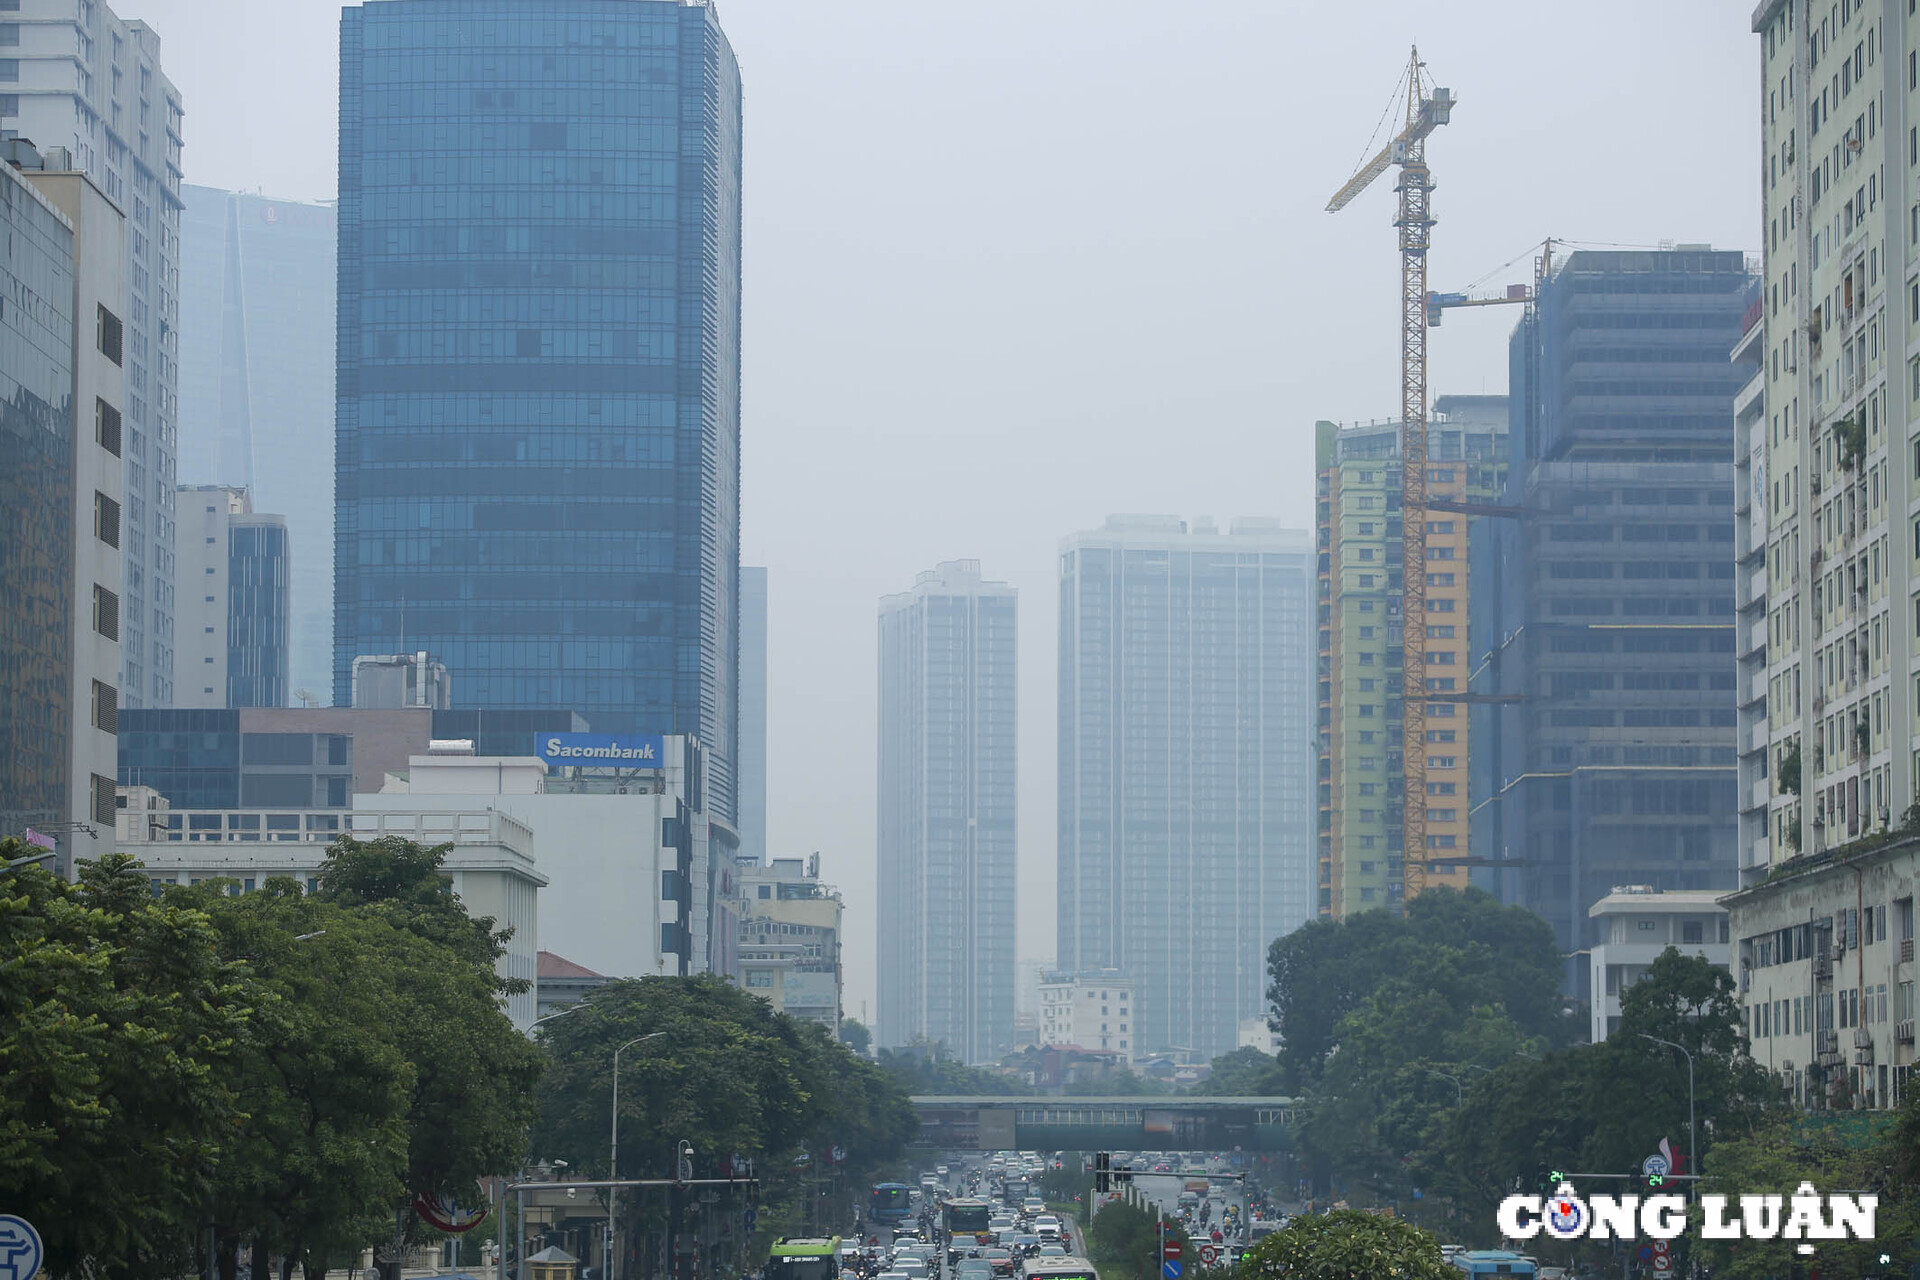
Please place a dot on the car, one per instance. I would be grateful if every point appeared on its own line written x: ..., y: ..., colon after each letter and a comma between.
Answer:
x: 973, y: 1269
x: 1051, y: 1251
x: 1002, y: 1261
x: 1047, y: 1227
x: 910, y: 1265
x: 1034, y: 1204
x: 893, y: 1275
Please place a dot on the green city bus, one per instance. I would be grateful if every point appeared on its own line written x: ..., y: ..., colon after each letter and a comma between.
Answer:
x: 816, y: 1258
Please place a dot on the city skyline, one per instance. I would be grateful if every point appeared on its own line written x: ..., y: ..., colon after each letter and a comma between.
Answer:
x: 1081, y: 394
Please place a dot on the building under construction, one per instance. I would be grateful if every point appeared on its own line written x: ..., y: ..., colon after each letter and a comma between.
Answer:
x: 1602, y: 613
x: 1360, y: 593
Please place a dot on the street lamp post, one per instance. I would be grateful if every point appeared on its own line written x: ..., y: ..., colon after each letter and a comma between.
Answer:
x: 1460, y: 1092
x: 613, y: 1153
x: 500, y: 1196
x: 1692, y: 1168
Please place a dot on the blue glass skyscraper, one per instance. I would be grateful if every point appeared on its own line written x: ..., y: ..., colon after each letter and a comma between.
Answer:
x: 538, y: 401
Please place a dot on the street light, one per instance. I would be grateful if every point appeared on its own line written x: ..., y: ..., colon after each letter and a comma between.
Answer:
x: 1692, y: 1168
x: 32, y: 858
x: 572, y: 1008
x: 1460, y: 1092
x: 613, y: 1152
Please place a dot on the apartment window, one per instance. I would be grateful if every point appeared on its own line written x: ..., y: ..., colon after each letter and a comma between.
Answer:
x: 106, y: 519
x: 106, y: 707
x: 1690, y: 931
x: 107, y: 328
x: 106, y: 427
x: 759, y: 978
x: 105, y: 803
x: 10, y: 69
x: 106, y: 612
x: 9, y: 34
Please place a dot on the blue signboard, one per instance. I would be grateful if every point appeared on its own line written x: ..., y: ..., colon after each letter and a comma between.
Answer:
x: 1171, y: 1269
x: 603, y: 751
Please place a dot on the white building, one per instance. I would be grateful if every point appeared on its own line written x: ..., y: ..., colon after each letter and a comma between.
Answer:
x: 491, y: 862
x: 1089, y: 1010
x: 1821, y: 926
x: 1637, y: 923
x: 85, y: 80
x: 1255, y: 1033
x: 639, y: 876
x: 1826, y: 972
x: 235, y: 616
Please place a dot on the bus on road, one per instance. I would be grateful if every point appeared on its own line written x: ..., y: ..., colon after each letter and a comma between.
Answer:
x: 890, y: 1203
x: 968, y: 1217
x: 1059, y: 1269
x: 816, y: 1258
x: 1493, y: 1262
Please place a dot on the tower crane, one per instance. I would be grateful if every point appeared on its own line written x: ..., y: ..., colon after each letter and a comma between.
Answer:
x: 1425, y: 112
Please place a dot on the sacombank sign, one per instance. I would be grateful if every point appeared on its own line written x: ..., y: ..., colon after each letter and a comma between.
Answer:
x: 1805, y: 1215
x: 604, y: 751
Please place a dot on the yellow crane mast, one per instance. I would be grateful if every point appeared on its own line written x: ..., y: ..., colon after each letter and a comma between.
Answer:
x: 1425, y: 112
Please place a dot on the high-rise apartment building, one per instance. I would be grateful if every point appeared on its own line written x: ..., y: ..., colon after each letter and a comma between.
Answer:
x: 539, y: 358
x: 256, y: 391
x: 1186, y: 743
x: 234, y: 620
x: 63, y: 271
x: 1823, y: 930
x: 1755, y: 785
x: 753, y: 715
x: 1360, y: 649
x: 1602, y: 616
x: 85, y: 80
x: 947, y: 780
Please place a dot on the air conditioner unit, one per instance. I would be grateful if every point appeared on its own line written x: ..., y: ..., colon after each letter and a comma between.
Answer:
x: 1862, y: 1038
x: 1903, y: 1032
x: 619, y: 791
x: 1839, y: 950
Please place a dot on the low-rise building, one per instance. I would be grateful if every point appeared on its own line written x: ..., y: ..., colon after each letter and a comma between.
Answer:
x: 1636, y: 923
x: 640, y: 872
x: 491, y: 862
x: 790, y: 935
x: 562, y: 983
x: 1093, y: 1010
x: 1824, y: 950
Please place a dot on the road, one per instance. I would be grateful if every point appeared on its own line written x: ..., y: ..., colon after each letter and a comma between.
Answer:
x: 1163, y: 1189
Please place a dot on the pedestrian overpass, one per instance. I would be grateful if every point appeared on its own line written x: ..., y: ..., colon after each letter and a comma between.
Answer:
x: 1104, y: 1124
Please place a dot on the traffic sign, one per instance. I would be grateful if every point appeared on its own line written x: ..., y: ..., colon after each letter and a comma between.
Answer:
x: 1170, y: 1249
x: 21, y: 1251
x: 1662, y: 1263
x: 1171, y: 1269
x: 1208, y: 1254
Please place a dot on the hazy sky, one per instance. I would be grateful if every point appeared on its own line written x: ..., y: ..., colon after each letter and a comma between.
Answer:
x: 1012, y: 267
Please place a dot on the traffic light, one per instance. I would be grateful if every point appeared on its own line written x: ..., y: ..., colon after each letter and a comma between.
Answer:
x: 1102, y: 1175
x: 1548, y: 1181
x: 1654, y: 1179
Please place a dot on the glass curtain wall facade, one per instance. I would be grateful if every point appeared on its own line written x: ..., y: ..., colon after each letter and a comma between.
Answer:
x: 1185, y: 739
x: 258, y: 638
x: 753, y: 715
x: 947, y: 783
x: 1604, y: 613
x: 538, y: 352
x: 37, y: 504
x: 256, y: 386
x: 92, y: 82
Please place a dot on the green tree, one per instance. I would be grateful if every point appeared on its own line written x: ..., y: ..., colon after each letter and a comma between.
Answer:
x: 473, y: 1088
x: 1857, y: 1151
x: 1320, y: 973
x: 1244, y: 1073
x: 854, y: 1035
x: 118, y: 1025
x: 319, y: 1166
x: 1345, y: 1245
x: 1125, y: 1241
